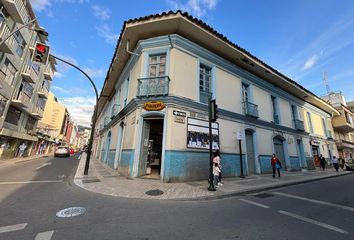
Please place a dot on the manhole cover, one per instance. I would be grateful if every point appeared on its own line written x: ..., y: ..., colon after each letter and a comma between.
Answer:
x: 263, y: 195
x: 154, y: 192
x: 90, y: 180
x: 71, y: 212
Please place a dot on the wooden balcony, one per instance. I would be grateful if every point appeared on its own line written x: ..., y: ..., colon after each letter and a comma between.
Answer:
x: 22, y: 101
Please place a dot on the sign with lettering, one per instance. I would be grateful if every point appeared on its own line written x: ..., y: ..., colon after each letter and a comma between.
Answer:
x: 179, y: 119
x: 179, y: 113
x: 154, y: 106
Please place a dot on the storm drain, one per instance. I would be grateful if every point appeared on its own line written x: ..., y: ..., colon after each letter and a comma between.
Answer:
x: 263, y: 195
x: 71, y: 212
x: 154, y: 192
x: 91, y: 180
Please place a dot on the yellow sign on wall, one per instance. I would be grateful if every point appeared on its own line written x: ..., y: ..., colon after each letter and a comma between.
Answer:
x: 154, y: 106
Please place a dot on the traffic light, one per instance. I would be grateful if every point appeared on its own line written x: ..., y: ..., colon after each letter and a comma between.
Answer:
x: 214, y: 110
x: 41, y: 53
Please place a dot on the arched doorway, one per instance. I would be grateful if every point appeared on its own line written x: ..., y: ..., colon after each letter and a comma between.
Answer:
x: 251, y: 158
x: 278, y: 143
x: 108, y: 144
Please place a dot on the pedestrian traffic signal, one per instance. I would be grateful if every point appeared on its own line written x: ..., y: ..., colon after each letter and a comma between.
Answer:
x: 214, y: 110
x: 41, y: 53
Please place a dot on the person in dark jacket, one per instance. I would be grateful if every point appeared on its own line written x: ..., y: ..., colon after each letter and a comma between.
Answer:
x: 322, y: 162
x: 276, y: 165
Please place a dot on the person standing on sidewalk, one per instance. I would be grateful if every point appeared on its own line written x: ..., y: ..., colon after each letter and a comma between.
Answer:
x: 335, y: 163
x: 216, y: 173
x: 21, y: 149
x: 322, y: 162
x: 276, y: 165
x: 341, y: 162
x: 217, y: 160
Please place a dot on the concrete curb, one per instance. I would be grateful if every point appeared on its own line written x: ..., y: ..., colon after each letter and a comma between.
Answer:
x: 77, y: 181
x: 261, y: 189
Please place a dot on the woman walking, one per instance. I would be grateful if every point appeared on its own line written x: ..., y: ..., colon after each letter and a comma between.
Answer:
x: 276, y: 165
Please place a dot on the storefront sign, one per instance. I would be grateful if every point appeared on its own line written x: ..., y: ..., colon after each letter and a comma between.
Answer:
x: 179, y: 119
x: 198, y: 115
x: 240, y: 136
x: 154, y: 106
x: 315, y: 142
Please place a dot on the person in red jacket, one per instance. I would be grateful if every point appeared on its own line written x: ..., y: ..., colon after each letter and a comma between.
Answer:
x: 276, y: 165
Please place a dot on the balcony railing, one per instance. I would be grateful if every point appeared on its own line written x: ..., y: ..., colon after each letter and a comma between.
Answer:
x: 299, y: 125
x: 154, y: 86
x: 37, y: 113
x: 115, y: 110
x: 22, y: 101
x: 43, y: 92
x: 204, y: 96
x: 250, y: 109
x: 48, y: 72
x: 9, y: 45
x: 29, y: 74
x: 17, y: 9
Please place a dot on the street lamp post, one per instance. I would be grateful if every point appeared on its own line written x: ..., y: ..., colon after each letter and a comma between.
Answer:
x: 89, y: 148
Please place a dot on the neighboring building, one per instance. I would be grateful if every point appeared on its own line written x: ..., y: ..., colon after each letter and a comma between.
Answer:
x: 153, y: 106
x: 343, y: 124
x: 24, y: 84
x: 73, y: 137
x: 350, y: 105
x: 83, y: 136
x: 55, y: 117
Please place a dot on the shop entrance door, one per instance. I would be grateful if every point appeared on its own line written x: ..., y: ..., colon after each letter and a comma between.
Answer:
x: 250, y: 152
x: 279, y: 150
x: 315, y: 154
x: 151, y: 148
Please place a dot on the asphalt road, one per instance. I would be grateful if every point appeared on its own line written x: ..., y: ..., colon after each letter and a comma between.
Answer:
x: 32, y: 192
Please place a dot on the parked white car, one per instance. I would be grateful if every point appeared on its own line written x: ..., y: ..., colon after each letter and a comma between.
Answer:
x: 62, y: 152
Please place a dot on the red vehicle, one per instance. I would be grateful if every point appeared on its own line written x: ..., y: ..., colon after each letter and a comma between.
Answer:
x: 71, y: 151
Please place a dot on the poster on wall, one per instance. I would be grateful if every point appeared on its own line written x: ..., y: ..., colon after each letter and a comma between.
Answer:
x: 198, y: 134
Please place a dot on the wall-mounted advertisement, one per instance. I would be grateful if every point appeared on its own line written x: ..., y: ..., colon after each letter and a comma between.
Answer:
x: 198, y: 134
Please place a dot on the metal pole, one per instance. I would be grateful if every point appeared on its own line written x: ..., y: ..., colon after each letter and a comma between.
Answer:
x: 211, y: 177
x: 89, y: 148
x: 17, y: 29
x: 241, y: 162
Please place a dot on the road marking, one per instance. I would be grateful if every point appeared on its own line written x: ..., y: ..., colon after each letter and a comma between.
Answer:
x: 315, y: 201
x: 44, y: 235
x: 43, y: 165
x: 11, y: 228
x: 48, y: 181
x: 309, y: 220
x: 253, y: 203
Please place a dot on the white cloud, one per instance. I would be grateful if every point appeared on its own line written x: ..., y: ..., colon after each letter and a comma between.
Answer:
x: 105, y: 32
x: 310, y: 62
x: 63, y: 67
x: 101, y: 13
x: 198, y: 8
x: 80, y: 108
x: 40, y: 5
x: 95, y: 72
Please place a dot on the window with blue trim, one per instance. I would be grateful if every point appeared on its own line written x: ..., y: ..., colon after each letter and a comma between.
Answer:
x: 309, y: 122
x: 204, y: 83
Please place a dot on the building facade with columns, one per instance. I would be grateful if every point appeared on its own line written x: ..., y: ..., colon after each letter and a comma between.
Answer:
x: 153, y: 108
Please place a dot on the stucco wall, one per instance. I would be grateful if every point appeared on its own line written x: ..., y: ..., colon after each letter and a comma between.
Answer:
x: 183, y: 74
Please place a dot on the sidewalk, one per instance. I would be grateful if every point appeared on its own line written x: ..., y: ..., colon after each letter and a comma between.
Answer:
x: 5, y: 162
x: 101, y: 179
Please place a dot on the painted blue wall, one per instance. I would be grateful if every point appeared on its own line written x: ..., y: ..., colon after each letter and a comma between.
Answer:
x: 188, y: 165
x: 126, y: 162
x: 295, y: 163
x: 110, y: 158
x: 264, y: 162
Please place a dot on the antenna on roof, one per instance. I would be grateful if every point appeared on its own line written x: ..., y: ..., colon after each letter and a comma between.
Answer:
x: 326, y: 82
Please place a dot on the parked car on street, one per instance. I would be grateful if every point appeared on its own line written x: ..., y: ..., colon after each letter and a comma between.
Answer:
x: 62, y: 151
x: 349, y: 165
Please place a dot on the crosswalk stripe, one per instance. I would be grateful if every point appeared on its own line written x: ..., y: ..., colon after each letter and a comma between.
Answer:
x: 25, y: 182
x: 12, y: 228
x: 315, y: 201
x: 309, y: 220
x: 254, y: 203
x: 44, y: 235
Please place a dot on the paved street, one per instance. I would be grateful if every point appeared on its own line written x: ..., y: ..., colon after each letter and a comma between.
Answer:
x: 32, y: 192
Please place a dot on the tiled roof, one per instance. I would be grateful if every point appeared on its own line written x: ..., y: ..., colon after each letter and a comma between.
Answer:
x: 210, y: 30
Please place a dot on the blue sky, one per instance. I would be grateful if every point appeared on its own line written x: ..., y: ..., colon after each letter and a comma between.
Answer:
x: 302, y: 39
